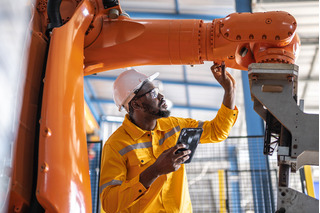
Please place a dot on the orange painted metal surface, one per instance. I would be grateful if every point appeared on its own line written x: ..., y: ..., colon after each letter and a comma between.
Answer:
x: 22, y: 174
x: 63, y: 175
x: 123, y: 42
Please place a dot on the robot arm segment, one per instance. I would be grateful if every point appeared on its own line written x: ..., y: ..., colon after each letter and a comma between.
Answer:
x: 256, y: 38
x: 238, y: 39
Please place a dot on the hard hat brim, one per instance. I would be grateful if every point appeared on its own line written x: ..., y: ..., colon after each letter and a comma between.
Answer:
x: 130, y: 96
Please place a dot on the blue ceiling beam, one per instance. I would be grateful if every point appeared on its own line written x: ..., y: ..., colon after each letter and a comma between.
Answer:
x: 91, y: 107
x: 243, y: 6
x: 192, y: 83
x: 102, y: 100
x: 177, y: 7
x: 93, y: 94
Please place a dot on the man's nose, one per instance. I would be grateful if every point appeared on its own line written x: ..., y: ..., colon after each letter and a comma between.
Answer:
x: 160, y: 96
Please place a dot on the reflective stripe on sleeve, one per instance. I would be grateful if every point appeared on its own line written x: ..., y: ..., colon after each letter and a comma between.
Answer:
x: 200, y: 124
x: 135, y: 146
x: 111, y: 183
x: 168, y: 134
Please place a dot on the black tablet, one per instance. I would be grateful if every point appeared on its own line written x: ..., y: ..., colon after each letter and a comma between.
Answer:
x: 190, y: 137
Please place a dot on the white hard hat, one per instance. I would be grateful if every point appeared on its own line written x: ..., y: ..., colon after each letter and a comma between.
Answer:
x: 125, y: 86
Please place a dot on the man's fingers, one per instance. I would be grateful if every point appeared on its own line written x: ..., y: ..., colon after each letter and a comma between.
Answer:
x: 223, y: 66
x: 182, y: 154
x: 178, y: 146
x: 219, y: 68
x: 214, y: 68
x: 215, y: 71
x: 185, y: 158
x: 231, y: 78
x: 182, y: 159
x: 223, y: 70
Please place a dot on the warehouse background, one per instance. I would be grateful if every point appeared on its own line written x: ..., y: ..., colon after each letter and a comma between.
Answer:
x: 232, y: 176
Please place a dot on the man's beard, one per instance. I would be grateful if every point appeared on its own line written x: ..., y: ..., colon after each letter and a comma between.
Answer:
x: 156, y: 112
x: 164, y: 113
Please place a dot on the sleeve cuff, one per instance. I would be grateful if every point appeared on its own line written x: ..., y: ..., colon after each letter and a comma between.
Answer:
x: 138, y: 188
x: 232, y: 114
x: 226, y: 109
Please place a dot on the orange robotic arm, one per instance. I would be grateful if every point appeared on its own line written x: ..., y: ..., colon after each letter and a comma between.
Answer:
x: 238, y: 39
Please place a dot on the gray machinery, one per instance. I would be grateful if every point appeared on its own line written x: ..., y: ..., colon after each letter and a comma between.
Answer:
x: 288, y: 130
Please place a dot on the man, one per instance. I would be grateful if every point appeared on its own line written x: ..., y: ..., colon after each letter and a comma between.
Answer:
x: 141, y: 170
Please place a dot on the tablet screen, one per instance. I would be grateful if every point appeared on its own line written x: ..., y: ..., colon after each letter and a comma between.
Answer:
x: 190, y: 137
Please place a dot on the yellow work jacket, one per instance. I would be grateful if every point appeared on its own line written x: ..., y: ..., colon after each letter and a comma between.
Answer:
x: 130, y: 150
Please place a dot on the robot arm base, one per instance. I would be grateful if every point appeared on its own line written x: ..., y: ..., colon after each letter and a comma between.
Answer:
x: 292, y: 201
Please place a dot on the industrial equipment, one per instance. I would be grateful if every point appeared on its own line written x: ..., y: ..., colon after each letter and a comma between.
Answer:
x: 274, y: 93
x: 73, y: 38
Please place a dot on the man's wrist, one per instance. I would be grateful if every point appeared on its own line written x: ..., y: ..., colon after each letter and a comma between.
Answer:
x: 230, y: 91
x: 229, y: 100
x: 154, y: 171
x: 148, y: 176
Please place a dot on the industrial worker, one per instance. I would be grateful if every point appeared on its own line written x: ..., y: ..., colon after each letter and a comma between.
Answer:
x: 140, y: 168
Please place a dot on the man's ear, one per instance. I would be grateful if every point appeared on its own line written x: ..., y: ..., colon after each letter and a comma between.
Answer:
x: 135, y: 105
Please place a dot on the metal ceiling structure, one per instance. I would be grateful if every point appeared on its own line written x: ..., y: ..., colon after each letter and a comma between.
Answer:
x: 193, y: 91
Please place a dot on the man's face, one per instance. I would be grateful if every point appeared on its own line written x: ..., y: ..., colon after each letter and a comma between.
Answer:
x: 152, y: 102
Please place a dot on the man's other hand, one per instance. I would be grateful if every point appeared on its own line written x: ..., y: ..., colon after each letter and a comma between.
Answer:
x: 228, y: 83
x: 170, y: 160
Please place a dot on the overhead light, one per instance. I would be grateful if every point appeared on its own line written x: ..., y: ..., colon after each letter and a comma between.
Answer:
x: 110, y: 118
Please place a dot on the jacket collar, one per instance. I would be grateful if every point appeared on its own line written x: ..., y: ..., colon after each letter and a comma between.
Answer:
x: 136, y: 132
